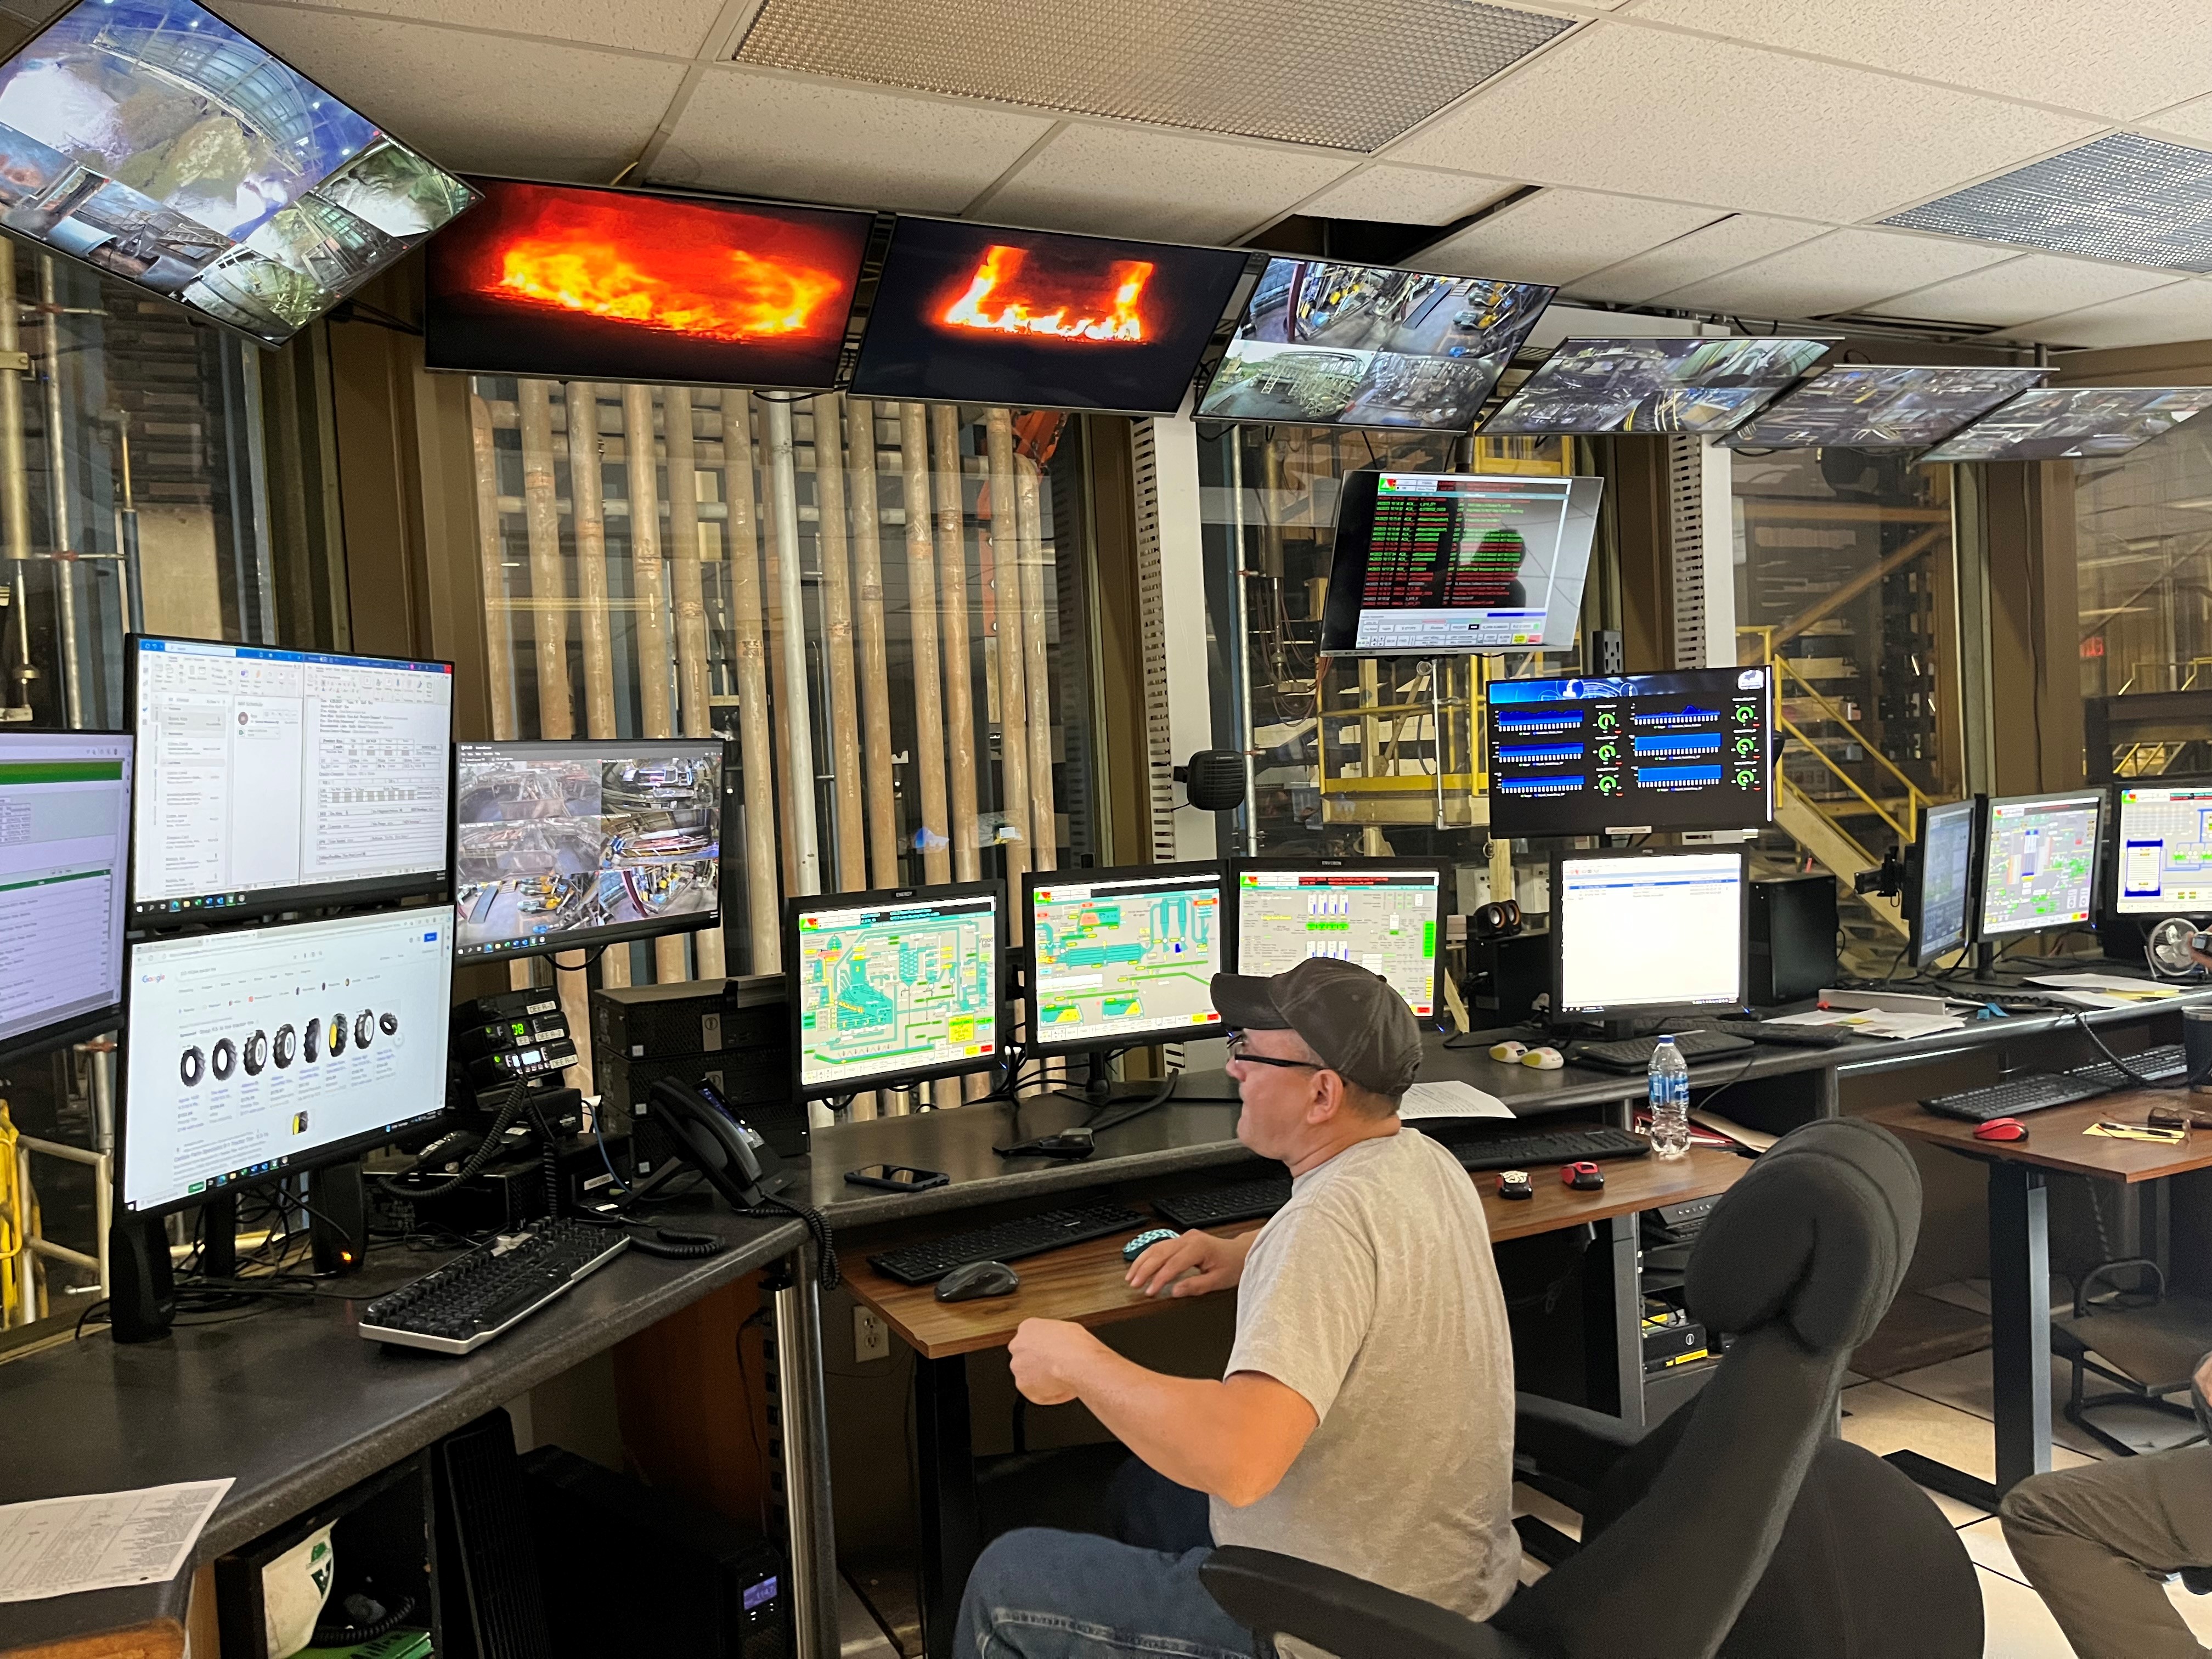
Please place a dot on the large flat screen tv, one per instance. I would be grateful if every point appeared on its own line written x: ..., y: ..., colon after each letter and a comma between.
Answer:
x: 2054, y: 424
x: 1593, y: 386
x: 1322, y: 344
x: 1880, y: 406
x: 153, y: 142
x: 570, y: 281
x: 983, y: 314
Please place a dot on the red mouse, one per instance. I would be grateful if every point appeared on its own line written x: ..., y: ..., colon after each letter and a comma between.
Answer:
x: 2001, y: 1128
x: 1584, y: 1177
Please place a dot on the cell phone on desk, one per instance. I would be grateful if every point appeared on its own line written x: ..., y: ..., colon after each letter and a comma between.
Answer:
x: 896, y: 1177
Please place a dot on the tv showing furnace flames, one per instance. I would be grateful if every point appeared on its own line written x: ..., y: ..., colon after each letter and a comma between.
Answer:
x: 983, y: 314
x: 566, y: 282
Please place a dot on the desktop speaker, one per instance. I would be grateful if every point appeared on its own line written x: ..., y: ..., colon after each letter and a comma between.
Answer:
x: 1793, y: 938
x: 141, y: 1287
x: 338, y: 1218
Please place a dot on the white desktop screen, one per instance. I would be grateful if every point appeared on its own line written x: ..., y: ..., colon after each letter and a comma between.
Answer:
x: 895, y: 988
x: 65, y: 841
x: 2165, y: 844
x: 1120, y: 958
x: 267, y: 775
x: 2039, y: 862
x: 253, y: 1051
x: 1388, y: 921
x: 1663, y: 930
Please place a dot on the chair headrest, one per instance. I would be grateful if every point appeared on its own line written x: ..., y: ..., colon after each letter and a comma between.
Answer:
x: 1819, y: 1233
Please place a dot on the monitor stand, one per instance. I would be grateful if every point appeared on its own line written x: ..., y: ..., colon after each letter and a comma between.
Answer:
x: 1106, y: 1103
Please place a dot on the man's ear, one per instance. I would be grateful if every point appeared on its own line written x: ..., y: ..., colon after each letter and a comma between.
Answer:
x: 1328, y: 1098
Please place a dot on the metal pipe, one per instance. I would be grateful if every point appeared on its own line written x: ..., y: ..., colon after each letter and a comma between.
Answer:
x: 491, y: 564
x: 875, y: 653
x: 649, y: 587
x: 588, y: 525
x: 58, y: 501
x: 749, y: 653
x: 796, y: 1309
x: 798, y: 721
x: 548, y: 588
x: 1044, y: 816
x: 126, y: 532
x: 921, y: 610
x: 1240, y: 652
x: 693, y: 707
x: 1013, y: 704
x: 952, y: 635
x: 844, y: 709
x: 1435, y: 744
x: 26, y: 1260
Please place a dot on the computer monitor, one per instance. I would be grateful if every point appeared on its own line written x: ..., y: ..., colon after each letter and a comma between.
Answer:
x: 1638, y: 933
x: 565, y: 846
x: 2038, y: 862
x: 1647, y: 384
x: 1124, y: 956
x: 894, y: 987
x: 2085, y: 422
x: 65, y: 799
x: 250, y: 1053
x: 1878, y: 406
x: 1386, y: 914
x: 270, y: 780
x: 2162, y: 842
x: 1691, y: 750
x: 1940, y: 883
x: 1445, y: 563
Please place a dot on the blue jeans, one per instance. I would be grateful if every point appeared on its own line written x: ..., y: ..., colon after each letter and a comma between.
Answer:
x: 1038, y: 1594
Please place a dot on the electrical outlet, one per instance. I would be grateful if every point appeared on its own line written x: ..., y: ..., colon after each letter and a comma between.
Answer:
x: 871, y: 1339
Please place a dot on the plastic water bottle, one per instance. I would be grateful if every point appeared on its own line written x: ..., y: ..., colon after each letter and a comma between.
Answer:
x: 1666, y: 1085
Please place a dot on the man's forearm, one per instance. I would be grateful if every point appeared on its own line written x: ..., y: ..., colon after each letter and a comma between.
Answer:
x: 1193, y: 1432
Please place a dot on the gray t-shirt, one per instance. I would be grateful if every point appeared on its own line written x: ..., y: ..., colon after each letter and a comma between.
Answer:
x: 1373, y: 1293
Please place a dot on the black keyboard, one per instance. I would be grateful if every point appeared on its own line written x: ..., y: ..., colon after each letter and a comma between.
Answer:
x: 2026, y: 1002
x: 1787, y: 1037
x: 1634, y: 1054
x: 2026, y: 1091
x: 1532, y: 1149
x: 1218, y: 1205
x: 1032, y: 1234
x: 2166, y: 1065
x: 461, y: 1306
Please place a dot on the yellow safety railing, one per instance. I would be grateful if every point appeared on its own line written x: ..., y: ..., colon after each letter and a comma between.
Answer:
x: 1786, y: 677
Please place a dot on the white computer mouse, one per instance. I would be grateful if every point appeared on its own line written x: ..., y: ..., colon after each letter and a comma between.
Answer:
x: 1510, y: 1053
x: 1544, y: 1059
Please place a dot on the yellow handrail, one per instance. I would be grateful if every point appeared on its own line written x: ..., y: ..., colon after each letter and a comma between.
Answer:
x: 1844, y: 777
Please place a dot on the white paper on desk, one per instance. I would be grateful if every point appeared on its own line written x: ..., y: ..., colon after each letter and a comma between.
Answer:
x: 1820, y: 1016
x: 1757, y: 1140
x: 102, y: 1540
x: 1431, y: 1100
x: 1875, y: 1022
x: 2120, y: 991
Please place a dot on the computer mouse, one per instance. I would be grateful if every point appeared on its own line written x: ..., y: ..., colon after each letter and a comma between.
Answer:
x: 1515, y: 1183
x: 1544, y: 1059
x: 974, y: 1280
x: 1510, y: 1053
x: 1144, y: 1240
x: 1584, y: 1178
x: 2001, y: 1128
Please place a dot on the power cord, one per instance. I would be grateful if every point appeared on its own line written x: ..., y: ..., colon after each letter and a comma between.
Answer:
x: 2188, y: 1080
x: 494, y: 1137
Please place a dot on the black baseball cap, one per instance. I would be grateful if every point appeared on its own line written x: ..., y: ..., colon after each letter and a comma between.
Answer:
x: 1362, y: 1030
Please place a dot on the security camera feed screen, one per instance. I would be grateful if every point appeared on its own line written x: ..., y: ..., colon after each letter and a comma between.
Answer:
x: 153, y: 141
x: 2052, y: 424
x: 559, y: 846
x: 1652, y: 385
x: 981, y: 314
x: 568, y: 282
x: 1883, y: 408
x: 1452, y: 563
x: 1691, y: 750
x: 1365, y: 345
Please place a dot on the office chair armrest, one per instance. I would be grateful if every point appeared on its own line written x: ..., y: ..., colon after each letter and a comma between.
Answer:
x: 1569, y: 1442
x: 1282, y: 1595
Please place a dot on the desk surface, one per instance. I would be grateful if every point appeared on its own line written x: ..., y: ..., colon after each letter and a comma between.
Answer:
x: 2054, y: 1141
x: 1087, y: 1283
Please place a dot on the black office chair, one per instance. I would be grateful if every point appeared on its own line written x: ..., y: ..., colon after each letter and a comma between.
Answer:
x: 2141, y: 1340
x: 1739, y: 1526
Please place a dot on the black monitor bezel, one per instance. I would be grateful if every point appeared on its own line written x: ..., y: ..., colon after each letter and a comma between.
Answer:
x: 337, y: 1151
x: 1224, y: 943
x: 108, y: 1017
x: 692, y: 921
x: 798, y: 903
x: 1560, y: 1011
x: 278, y: 901
x: 1917, y: 951
x: 1987, y: 805
x: 2108, y: 907
x: 1446, y: 900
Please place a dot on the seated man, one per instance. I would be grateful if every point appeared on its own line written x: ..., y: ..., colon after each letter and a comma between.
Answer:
x: 1365, y: 1418
x: 2097, y: 1541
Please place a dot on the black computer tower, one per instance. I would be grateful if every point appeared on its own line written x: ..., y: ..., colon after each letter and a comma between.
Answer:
x: 1793, y: 938
x: 630, y: 1568
x: 698, y: 1017
x: 1504, y: 977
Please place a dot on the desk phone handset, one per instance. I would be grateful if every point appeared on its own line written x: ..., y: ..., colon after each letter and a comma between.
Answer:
x: 722, y: 1146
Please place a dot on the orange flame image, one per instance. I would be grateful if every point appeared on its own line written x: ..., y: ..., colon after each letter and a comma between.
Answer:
x: 721, y: 294
x: 1001, y: 268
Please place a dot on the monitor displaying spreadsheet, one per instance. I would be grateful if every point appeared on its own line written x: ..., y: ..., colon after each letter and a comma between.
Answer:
x: 1642, y: 931
x: 1386, y: 914
x: 2039, y: 861
x: 64, y: 841
x: 2164, y: 846
x: 1121, y: 957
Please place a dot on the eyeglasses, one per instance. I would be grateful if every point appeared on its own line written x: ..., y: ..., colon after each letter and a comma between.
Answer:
x: 1239, y: 1047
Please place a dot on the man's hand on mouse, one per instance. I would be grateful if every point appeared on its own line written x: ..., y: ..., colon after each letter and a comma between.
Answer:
x: 1049, y: 1355
x: 1190, y: 1264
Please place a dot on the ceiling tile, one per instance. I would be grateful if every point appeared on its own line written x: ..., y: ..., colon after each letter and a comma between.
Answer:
x: 1123, y: 181
x: 2033, y: 285
x: 2192, y: 121
x: 744, y: 130
x: 1652, y: 112
x: 546, y: 112
x: 2162, y: 316
x: 1407, y: 196
x: 1843, y: 271
x: 1556, y: 236
x: 1732, y: 241
x: 677, y: 27
x: 2114, y: 57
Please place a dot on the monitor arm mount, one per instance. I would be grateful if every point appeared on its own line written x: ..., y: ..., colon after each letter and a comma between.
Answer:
x: 1886, y: 879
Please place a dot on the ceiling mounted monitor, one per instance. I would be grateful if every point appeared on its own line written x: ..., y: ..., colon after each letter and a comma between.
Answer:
x: 1365, y: 345
x: 1591, y: 386
x: 1865, y: 406
x: 2055, y: 423
x: 570, y: 281
x: 982, y: 315
x: 155, y: 143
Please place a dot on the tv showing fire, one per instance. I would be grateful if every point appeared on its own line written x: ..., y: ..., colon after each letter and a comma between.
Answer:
x: 983, y: 314
x: 572, y: 281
